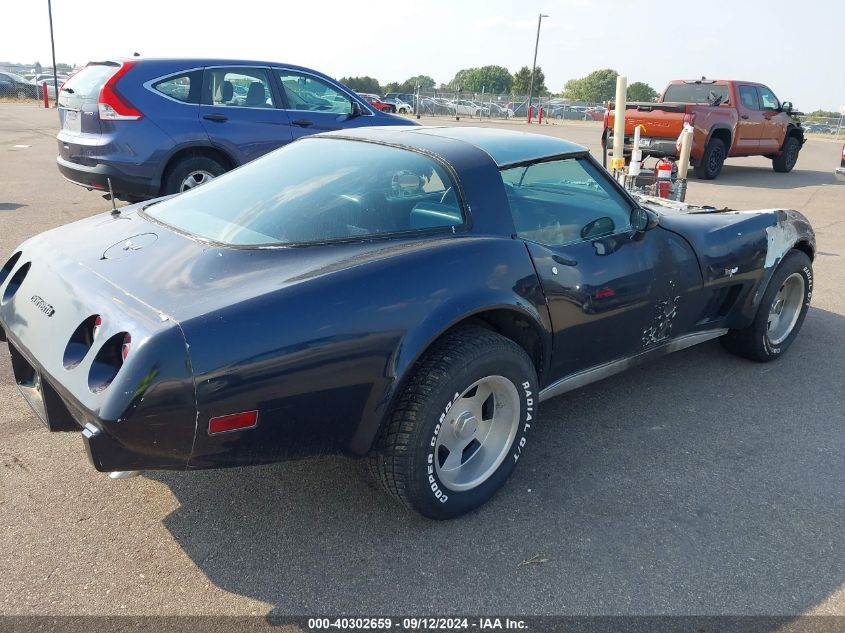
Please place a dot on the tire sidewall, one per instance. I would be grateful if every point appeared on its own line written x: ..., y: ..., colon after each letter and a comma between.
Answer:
x: 794, y: 262
x: 181, y: 170
x: 429, y: 495
x: 711, y: 147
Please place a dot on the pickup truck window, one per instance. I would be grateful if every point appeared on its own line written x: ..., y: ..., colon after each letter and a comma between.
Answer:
x: 748, y: 97
x: 564, y: 201
x: 768, y: 99
x: 696, y: 93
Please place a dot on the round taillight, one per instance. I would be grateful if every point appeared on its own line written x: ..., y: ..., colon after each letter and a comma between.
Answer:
x: 15, y: 282
x: 124, y: 350
x: 81, y: 340
x: 8, y: 266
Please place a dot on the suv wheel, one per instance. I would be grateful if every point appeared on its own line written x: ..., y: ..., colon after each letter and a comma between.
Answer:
x: 460, y: 425
x: 191, y: 172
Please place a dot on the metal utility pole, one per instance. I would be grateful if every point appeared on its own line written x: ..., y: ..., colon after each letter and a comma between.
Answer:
x: 534, y: 65
x: 53, y: 47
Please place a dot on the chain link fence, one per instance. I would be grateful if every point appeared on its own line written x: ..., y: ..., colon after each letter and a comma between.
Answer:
x: 24, y: 83
x: 831, y: 127
x: 490, y: 106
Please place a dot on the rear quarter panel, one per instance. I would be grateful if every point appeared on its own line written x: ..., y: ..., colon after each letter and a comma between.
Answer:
x: 322, y: 360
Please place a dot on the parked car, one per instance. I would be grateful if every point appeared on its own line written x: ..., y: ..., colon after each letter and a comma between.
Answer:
x: 399, y: 106
x: 407, y: 97
x: 162, y: 126
x: 465, y: 107
x: 377, y: 103
x: 12, y: 85
x: 40, y: 79
x: 731, y: 118
x: 406, y: 294
x: 578, y: 113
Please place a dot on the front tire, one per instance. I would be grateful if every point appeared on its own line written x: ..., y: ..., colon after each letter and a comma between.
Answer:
x: 788, y: 156
x: 710, y: 164
x: 781, y: 312
x: 460, y: 424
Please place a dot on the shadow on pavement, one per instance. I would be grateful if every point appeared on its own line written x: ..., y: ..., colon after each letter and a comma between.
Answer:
x: 767, y: 178
x: 699, y: 484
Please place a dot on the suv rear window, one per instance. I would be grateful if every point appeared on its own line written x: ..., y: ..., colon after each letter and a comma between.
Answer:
x: 88, y: 81
x: 318, y: 190
x: 696, y: 93
x: 186, y: 87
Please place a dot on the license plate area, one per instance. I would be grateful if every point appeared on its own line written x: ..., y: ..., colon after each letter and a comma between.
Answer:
x: 40, y: 395
x: 72, y: 120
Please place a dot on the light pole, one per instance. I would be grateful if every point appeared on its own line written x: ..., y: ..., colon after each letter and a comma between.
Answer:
x: 53, y: 47
x: 534, y: 65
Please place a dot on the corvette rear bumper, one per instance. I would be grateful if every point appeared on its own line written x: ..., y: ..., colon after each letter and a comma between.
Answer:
x: 60, y: 412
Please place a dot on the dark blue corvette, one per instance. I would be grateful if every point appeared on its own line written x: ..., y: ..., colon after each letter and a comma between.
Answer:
x: 159, y: 126
x: 406, y: 294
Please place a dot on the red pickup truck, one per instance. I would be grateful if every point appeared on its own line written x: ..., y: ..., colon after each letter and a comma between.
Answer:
x: 730, y: 118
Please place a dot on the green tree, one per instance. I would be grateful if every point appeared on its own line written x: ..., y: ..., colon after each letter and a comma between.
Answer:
x: 362, y: 84
x: 393, y: 86
x: 425, y: 82
x: 640, y: 91
x: 459, y: 80
x: 598, y: 86
x: 522, y: 82
x: 487, y: 78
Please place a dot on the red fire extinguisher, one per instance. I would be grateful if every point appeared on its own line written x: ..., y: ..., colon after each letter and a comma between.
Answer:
x: 664, y: 177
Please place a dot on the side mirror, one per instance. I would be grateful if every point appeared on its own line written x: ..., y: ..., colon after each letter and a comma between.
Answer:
x: 356, y: 109
x: 597, y: 228
x: 642, y: 219
x: 786, y: 106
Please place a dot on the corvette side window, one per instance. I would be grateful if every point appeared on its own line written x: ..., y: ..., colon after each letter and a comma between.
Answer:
x: 564, y: 201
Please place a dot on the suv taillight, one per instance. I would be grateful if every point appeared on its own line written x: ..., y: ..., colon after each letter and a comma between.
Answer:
x: 606, y: 118
x: 113, y: 106
x: 843, y: 152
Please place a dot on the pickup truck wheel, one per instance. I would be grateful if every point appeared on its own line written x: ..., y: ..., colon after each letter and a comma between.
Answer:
x: 781, y: 312
x: 460, y: 424
x: 788, y: 156
x: 710, y: 164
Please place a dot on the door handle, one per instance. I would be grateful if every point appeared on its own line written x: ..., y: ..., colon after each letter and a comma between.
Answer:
x: 565, y: 261
x: 215, y: 117
x: 744, y: 116
x: 303, y: 122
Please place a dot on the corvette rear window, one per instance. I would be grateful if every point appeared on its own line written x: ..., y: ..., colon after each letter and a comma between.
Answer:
x: 318, y: 190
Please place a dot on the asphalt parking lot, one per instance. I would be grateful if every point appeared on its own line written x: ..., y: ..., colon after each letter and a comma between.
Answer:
x: 699, y: 484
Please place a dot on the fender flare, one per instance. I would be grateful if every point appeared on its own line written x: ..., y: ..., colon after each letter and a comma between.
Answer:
x: 412, y: 346
x: 162, y: 165
x: 716, y: 127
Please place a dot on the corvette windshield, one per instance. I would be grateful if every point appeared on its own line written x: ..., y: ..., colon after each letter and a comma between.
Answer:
x: 317, y: 190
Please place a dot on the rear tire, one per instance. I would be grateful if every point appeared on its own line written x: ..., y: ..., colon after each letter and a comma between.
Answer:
x: 190, y: 172
x: 788, y: 156
x: 710, y: 164
x: 460, y: 424
x: 780, y: 315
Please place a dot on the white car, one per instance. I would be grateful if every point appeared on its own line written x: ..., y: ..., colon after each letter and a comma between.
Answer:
x: 469, y: 108
x: 402, y: 107
x: 51, y: 89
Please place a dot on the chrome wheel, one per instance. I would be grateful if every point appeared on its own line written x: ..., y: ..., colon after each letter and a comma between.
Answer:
x: 786, y: 308
x: 195, y: 179
x: 477, y: 433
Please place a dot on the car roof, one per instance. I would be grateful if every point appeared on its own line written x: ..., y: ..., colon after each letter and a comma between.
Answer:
x: 505, y: 147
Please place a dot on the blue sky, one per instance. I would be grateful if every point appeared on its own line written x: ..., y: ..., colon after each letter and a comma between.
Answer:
x: 794, y: 47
